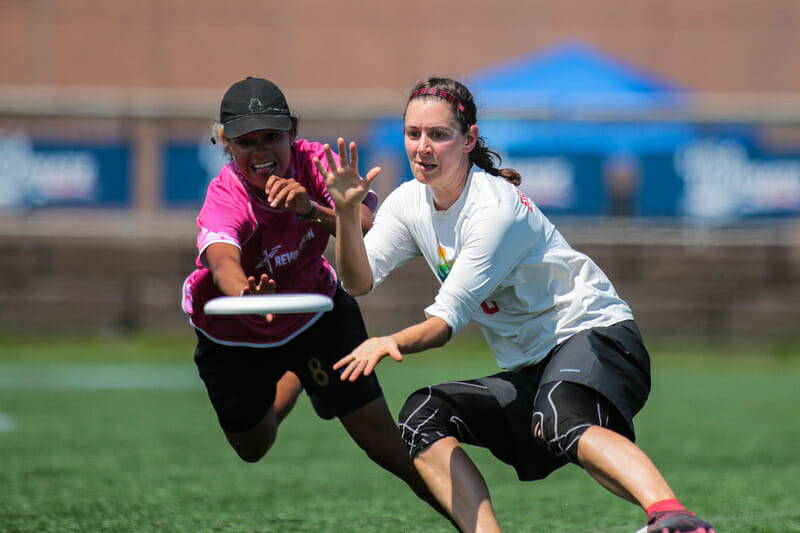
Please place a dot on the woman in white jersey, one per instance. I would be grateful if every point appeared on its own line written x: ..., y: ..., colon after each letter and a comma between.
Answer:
x: 264, y: 225
x: 576, y: 370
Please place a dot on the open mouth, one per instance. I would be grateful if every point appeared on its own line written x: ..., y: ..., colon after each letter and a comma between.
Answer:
x: 266, y: 168
x: 427, y: 166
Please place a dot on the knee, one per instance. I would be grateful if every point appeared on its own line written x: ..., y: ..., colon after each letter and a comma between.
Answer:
x: 252, y: 453
x: 254, y: 444
x: 558, y: 426
x: 562, y: 438
x: 414, y: 415
x: 424, y: 419
x: 411, y: 408
x: 250, y: 457
x: 252, y: 450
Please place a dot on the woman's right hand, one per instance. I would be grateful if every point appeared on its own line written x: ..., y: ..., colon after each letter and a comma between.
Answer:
x: 264, y: 286
x: 225, y: 262
x: 345, y: 186
x: 362, y: 360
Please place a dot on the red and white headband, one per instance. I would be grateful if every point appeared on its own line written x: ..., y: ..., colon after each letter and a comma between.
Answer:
x: 433, y: 91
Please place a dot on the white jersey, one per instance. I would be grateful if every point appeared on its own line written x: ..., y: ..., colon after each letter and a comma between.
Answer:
x: 501, y: 263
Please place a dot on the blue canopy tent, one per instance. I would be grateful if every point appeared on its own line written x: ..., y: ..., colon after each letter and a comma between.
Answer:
x: 571, y: 77
x: 547, y: 114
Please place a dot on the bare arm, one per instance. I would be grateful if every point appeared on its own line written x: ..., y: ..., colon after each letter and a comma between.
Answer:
x: 347, y: 190
x: 224, y: 261
x: 287, y: 194
x: 351, y: 255
x: 431, y: 333
x: 325, y: 217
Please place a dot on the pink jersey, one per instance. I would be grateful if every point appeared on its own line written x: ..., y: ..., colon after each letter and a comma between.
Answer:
x: 272, y: 241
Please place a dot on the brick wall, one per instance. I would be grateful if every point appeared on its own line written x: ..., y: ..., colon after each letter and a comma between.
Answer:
x: 708, y: 45
x: 87, y: 276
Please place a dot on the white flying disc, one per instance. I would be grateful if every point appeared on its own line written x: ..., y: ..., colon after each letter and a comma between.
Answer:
x: 263, y: 304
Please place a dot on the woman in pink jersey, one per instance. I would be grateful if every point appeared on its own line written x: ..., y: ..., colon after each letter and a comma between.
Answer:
x: 263, y: 228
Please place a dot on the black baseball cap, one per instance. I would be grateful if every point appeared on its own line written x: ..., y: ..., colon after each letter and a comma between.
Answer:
x: 254, y: 104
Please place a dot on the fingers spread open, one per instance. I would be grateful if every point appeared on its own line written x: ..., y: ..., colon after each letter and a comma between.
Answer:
x: 329, y: 157
x: 342, y: 153
x: 322, y: 170
x: 371, y: 175
x: 353, y: 155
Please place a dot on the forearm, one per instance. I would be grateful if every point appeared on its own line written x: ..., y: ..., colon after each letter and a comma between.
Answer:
x: 432, y: 333
x: 351, y: 255
x: 325, y: 218
x: 229, y: 276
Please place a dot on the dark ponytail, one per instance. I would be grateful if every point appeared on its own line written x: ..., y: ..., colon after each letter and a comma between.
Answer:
x: 466, y: 115
x: 489, y: 160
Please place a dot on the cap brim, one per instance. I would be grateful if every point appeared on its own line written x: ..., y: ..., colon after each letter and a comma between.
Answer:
x: 250, y: 123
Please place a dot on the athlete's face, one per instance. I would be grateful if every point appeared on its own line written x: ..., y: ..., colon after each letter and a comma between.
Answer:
x: 437, y: 150
x: 261, y: 154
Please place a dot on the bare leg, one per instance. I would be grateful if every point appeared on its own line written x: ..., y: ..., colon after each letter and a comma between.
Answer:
x: 458, y: 485
x: 288, y: 389
x: 374, y: 430
x: 253, y: 444
x: 621, y: 467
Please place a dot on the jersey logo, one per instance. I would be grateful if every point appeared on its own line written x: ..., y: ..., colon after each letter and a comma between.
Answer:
x: 272, y: 259
x: 524, y: 199
x: 443, y: 266
x: 490, y: 308
x: 267, y: 260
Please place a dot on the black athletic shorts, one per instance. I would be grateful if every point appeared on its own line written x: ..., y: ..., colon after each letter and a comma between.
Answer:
x: 496, y: 412
x: 241, y: 381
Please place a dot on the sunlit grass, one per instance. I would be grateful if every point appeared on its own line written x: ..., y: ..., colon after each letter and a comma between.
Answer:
x: 720, y: 424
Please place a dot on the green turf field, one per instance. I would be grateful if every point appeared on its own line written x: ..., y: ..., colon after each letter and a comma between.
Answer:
x: 116, y: 434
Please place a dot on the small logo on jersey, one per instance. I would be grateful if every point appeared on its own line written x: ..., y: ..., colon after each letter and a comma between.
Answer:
x: 524, y: 199
x: 271, y: 259
x: 490, y: 308
x: 571, y: 370
x: 443, y: 265
x: 256, y: 106
x: 268, y: 256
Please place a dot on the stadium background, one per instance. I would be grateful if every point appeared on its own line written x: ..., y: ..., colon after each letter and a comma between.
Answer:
x: 105, y: 110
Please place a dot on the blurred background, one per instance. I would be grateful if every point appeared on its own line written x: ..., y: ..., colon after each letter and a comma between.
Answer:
x: 662, y: 138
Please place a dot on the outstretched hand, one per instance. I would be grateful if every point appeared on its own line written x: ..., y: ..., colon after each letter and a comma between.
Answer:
x: 345, y: 186
x: 362, y: 360
x: 265, y: 285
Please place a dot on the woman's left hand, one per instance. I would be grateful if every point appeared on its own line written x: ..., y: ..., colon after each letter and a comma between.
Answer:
x: 286, y: 193
x: 345, y: 186
x: 362, y: 360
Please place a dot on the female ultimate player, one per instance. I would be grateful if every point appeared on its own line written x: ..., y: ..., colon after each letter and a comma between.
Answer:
x: 576, y: 370
x: 263, y: 228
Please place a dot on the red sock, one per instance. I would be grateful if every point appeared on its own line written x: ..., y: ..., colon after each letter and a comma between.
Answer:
x: 665, y: 505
